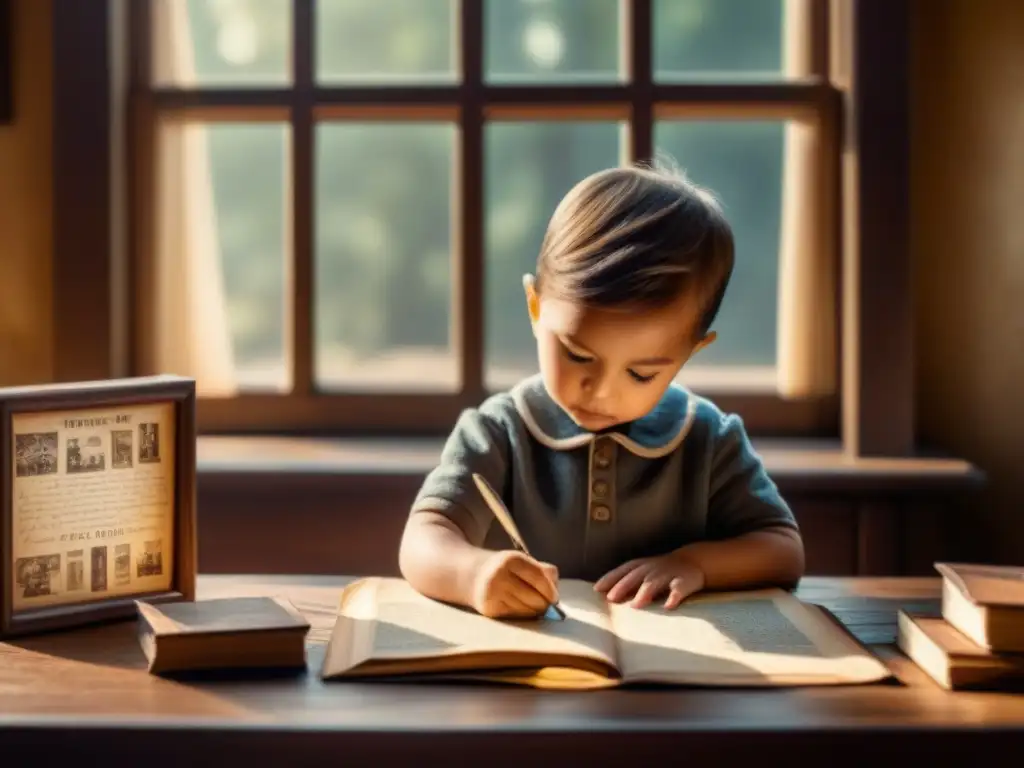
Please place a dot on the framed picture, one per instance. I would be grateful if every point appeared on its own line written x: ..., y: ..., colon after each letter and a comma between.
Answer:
x: 6, y: 63
x: 98, y: 505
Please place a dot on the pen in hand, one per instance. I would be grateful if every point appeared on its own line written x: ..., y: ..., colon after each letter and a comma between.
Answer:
x: 496, y: 506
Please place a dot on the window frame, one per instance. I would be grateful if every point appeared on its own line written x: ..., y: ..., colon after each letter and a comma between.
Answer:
x: 100, y: 266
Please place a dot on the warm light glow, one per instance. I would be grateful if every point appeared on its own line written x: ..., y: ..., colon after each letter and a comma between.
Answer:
x: 238, y: 38
x: 544, y: 43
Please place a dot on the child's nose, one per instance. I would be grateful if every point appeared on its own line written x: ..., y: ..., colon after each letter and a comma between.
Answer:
x: 598, y: 387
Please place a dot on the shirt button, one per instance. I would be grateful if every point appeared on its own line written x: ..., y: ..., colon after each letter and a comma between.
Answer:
x: 602, y: 513
x: 600, y: 489
x: 602, y: 458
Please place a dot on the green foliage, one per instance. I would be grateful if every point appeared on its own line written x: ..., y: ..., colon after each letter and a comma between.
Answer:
x: 384, y: 216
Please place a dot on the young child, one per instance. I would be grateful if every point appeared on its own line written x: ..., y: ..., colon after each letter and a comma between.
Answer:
x: 612, y: 472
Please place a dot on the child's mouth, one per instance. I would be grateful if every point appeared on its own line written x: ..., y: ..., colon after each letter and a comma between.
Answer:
x: 592, y: 417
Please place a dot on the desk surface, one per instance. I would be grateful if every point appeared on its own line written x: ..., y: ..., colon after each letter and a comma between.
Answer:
x: 91, y: 686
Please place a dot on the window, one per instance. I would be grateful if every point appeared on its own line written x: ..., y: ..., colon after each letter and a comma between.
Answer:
x: 337, y: 199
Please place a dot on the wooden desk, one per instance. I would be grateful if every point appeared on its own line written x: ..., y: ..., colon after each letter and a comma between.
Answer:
x: 63, y: 697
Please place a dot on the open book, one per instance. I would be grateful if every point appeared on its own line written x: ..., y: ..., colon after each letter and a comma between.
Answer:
x: 385, y: 629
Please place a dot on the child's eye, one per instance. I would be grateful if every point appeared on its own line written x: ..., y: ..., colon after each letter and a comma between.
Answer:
x: 572, y: 355
x: 642, y: 379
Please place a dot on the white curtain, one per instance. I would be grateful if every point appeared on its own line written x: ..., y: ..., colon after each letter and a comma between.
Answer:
x: 807, y: 266
x: 193, y: 335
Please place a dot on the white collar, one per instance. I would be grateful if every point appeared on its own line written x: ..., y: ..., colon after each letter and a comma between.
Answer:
x: 657, y: 433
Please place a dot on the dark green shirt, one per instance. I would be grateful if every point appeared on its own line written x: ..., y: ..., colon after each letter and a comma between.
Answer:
x: 589, y: 502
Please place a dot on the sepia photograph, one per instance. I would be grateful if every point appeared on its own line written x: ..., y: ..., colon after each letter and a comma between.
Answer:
x: 150, y: 561
x: 76, y: 571
x: 38, y: 576
x: 86, y: 454
x: 99, y: 569
x: 101, y: 493
x: 36, y: 454
x: 121, y: 448
x: 122, y: 564
x: 149, y: 443
x: 86, y: 525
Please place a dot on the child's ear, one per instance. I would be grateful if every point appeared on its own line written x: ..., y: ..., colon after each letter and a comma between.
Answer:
x: 532, y: 301
x: 709, y: 338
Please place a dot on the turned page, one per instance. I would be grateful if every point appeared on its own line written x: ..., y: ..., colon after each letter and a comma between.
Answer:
x: 385, y: 625
x: 763, y: 637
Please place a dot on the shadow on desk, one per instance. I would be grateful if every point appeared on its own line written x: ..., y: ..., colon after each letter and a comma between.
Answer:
x: 104, y: 645
x: 215, y: 676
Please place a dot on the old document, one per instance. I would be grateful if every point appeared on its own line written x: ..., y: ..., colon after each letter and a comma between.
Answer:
x: 93, y: 504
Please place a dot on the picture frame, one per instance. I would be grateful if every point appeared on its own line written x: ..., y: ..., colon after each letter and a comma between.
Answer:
x: 99, y: 500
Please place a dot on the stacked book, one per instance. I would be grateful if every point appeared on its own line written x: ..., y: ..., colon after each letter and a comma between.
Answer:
x: 235, y: 633
x: 978, y: 640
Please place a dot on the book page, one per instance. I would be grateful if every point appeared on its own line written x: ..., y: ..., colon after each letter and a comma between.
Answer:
x: 764, y: 637
x: 386, y: 625
x: 92, y: 507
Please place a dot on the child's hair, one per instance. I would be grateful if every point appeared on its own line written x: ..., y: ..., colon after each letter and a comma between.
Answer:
x: 637, y: 237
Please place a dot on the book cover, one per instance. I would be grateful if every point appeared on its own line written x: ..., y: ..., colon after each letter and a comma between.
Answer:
x: 227, y: 633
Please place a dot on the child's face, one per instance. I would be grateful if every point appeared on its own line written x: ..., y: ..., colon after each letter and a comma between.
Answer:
x: 607, y: 367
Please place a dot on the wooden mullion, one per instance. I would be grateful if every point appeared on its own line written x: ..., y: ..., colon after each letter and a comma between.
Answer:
x: 226, y: 113
x: 470, y: 207
x: 797, y: 91
x: 82, y: 220
x: 302, y: 197
x: 641, y: 87
x: 6, y: 62
x: 694, y: 110
x: 528, y: 111
x: 405, y: 113
x: 820, y: 38
x: 558, y: 112
x: 140, y: 22
x: 208, y: 110
x: 878, y: 320
x: 141, y: 189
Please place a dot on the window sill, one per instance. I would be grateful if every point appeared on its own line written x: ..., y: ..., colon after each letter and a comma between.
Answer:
x: 796, y: 465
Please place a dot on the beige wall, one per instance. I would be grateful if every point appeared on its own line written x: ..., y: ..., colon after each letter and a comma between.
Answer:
x: 25, y: 205
x: 968, y: 247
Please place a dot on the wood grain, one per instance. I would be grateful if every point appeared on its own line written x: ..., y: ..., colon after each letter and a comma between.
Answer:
x: 85, y: 688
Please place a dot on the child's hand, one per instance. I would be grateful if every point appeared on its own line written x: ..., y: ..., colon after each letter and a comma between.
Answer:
x: 650, y: 577
x: 510, y: 584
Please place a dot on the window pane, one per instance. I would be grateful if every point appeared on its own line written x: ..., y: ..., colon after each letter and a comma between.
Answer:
x: 222, y: 255
x: 358, y: 41
x: 741, y: 163
x: 529, y: 167
x: 205, y: 42
x: 552, y: 40
x: 383, y: 268
x: 725, y: 37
